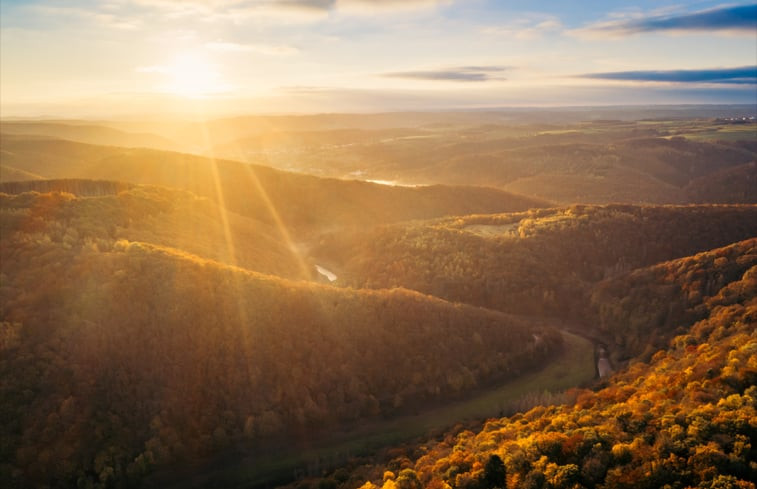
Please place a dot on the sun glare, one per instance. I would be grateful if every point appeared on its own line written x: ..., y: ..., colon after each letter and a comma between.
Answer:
x: 193, y: 76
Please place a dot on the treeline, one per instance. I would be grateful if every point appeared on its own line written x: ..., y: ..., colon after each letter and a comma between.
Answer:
x: 686, y: 419
x: 544, y: 261
x: 76, y: 186
x: 119, y: 357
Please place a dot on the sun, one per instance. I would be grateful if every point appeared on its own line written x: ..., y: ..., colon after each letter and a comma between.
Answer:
x: 191, y: 75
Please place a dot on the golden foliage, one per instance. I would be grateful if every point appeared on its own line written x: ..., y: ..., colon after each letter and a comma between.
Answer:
x: 686, y: 419
x: 119, y: 355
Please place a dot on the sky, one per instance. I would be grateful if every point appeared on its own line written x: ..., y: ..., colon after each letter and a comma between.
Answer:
x: 121, y: 57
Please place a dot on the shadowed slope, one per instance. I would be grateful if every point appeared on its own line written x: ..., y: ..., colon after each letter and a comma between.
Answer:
x: 119, y: 356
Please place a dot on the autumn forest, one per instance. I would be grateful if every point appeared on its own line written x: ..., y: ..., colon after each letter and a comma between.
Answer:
x: 558, y: 299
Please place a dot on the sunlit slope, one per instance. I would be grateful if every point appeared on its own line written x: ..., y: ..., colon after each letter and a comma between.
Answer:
x: 87, y: 132
x: 685, y: 419
x: 43, y: 157
x: 102, y: 212
x: 539, y: 262
x: 299, y: 201
x: 120, y: 356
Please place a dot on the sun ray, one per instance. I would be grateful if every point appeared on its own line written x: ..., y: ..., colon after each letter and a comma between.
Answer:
x: 220, y: 197
x: 279, y: 223
x: 306, y: 271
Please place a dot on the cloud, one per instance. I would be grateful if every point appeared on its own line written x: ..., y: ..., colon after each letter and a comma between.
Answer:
x: 152, y: 69
x: 266, y: 49
x: 180, y: 8
x: 744, y: 75
x: 739, y: 19
x: 67, y: 14
x: 145, y: 14
x: 370, y: 5
x: 459, y: 74
x: 526, y: 29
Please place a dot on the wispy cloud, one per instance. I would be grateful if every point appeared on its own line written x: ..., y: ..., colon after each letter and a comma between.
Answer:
x: 223, y: 8
x: 371, y: 5
x: 458, y: 74
x: 526, y: 28
x: 152, y: 69
x: 740, y: 19
x: 66, y: 14
x: 744, y: 75
x: 135, y: 14
x: 266, y: 49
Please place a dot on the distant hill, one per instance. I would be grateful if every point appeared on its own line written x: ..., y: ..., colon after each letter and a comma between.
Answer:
x: 547, y: 155
x: 588, y: 162
x: 85, y: 132
x: 120, y: 356
x: 224, y: 130
x: 685, y: 419
x: 297, y: 201
x: 649, y: 170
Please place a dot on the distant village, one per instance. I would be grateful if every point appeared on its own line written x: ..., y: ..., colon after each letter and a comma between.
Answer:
x: 736, y: 120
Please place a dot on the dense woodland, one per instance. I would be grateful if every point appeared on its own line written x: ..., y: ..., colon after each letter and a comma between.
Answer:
x: 736, y: 185
x: 157, y: 215
x: 520, y: 262
x: 687, y: 418
x: 121, y: 355
x: 641, y: 310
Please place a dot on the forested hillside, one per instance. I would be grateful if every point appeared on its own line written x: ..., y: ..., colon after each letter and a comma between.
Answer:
x: 688, y: 418
x: 155, y: 215
x: 642, y: 310
x: 119, y: 356
x: 544, y: 261
x: 736, y: 185
x: 301, y: 202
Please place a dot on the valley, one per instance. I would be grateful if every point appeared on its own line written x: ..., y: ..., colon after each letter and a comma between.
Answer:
x: 378, y: 244
x: 184, y: 316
